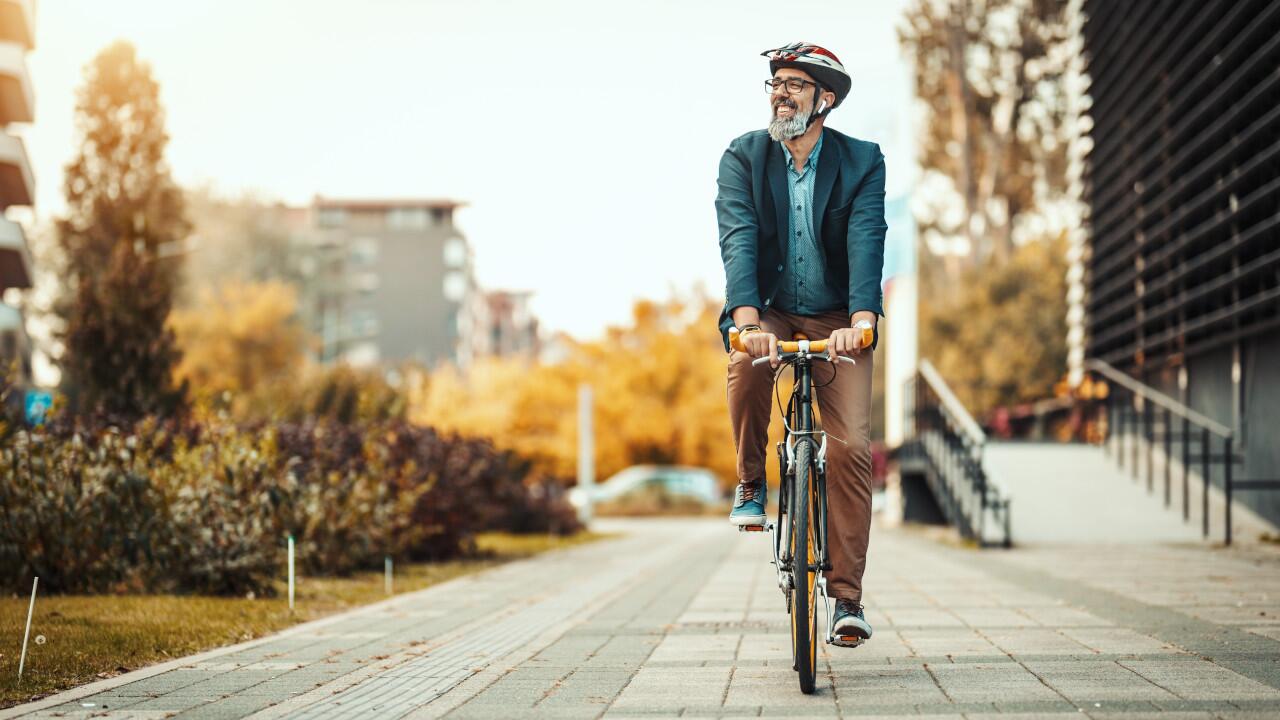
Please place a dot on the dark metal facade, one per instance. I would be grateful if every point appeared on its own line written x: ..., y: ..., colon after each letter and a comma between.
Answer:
x: 1183, y: 180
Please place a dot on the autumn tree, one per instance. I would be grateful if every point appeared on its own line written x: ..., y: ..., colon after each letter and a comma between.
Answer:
x: 1003, y: 341
x: 124, y: 223
x: 658, y: 386
x: 989, y: 75
x: 237, y: 240
x: 239, y: 338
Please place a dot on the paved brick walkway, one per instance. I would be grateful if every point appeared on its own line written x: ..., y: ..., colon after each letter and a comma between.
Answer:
x: 682, y: 618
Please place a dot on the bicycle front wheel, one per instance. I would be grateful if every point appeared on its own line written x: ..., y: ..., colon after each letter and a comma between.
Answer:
x: 804, y: 645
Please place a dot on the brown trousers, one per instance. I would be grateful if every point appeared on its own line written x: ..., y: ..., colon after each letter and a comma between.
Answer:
x: 844, y: 411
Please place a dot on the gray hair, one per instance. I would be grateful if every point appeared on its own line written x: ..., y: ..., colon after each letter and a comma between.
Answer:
x: 786, y: 128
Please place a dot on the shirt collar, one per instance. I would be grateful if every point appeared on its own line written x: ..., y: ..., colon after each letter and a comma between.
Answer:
x: 813, y: 156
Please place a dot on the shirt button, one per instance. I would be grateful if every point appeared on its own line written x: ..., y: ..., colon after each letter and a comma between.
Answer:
x: 801, y: 260
x: 799, y: 207
x: 797, y: 233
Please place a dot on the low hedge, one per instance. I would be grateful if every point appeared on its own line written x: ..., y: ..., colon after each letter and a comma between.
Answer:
x: 206, y: 507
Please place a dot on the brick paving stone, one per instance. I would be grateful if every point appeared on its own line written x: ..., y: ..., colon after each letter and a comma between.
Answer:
x: 979, y: 682
x: 1119, y: 641
x: 1086, y: 682
x: 941, y: 642
x: 1196, y: 679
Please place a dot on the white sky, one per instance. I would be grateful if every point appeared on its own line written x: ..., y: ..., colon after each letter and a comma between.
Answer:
x: 585, y: 134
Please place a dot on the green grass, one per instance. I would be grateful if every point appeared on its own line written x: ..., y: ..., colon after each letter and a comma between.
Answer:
x: 92, y: 637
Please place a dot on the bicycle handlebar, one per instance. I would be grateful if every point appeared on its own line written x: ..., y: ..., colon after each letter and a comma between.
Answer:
x: 794, y: 346
x: 783, y: 357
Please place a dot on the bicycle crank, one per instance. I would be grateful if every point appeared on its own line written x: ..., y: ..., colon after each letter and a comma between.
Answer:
x: 849, y: 641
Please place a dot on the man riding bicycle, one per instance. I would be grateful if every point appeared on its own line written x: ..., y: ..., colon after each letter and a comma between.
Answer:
x: 801, y: 216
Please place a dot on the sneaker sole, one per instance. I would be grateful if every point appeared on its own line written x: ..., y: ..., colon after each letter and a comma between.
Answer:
x: 749, y: 519
x: 851, y: 631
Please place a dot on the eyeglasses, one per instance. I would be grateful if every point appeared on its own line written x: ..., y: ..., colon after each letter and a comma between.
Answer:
x: 794, y: 86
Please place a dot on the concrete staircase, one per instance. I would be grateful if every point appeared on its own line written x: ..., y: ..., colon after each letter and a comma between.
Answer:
x: 1074, y: 493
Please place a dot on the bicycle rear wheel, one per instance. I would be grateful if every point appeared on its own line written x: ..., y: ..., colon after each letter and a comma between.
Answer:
x: 804, y: 645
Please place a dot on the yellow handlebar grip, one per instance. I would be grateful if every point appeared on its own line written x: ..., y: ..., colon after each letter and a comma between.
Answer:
x: 815, y: 346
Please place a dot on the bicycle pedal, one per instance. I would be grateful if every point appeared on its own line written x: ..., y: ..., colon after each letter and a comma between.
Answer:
x: 849, y: 641
x: 751, y: 528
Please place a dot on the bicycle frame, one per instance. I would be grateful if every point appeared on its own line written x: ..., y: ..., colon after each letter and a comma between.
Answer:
x: 800, y: 428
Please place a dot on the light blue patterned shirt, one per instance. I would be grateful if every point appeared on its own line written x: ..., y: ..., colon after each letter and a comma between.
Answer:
x: 804, y: 289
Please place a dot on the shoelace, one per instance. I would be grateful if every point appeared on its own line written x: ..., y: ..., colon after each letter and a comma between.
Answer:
x: 744, y: 493
x: 852, y: 608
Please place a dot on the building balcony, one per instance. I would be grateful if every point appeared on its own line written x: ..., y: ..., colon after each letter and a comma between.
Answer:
x: 15, y: 260
x: 16, y: 102
x: 17, y: 22
x: 17, y: 186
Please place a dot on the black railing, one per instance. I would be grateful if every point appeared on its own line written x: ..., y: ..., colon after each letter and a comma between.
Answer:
x: 944, y: 437
x: 1138, y: 418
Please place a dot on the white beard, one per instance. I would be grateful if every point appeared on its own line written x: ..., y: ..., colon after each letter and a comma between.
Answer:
x: 786, y: 128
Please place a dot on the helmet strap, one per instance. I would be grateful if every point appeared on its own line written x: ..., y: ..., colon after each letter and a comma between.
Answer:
x: 814, y: 117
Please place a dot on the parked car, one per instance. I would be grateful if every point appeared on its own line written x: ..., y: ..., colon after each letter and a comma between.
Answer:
x: 677, y: 481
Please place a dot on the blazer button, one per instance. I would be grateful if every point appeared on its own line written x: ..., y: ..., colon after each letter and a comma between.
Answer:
x: 766, y: 301
x: 779, y: 268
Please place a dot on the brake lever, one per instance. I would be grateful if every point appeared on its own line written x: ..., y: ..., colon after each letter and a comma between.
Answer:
x: 783, y: 358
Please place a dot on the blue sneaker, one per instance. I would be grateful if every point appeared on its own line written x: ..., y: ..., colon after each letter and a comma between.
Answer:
x: 748, y: 503
x: 848, y: 627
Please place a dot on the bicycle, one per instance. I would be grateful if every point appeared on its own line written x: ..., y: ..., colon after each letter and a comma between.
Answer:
x: 800, y: 530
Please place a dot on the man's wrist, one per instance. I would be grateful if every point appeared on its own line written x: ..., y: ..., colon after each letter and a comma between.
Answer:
x: 870, y: 316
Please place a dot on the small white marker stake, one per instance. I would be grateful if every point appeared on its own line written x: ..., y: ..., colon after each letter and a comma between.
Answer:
x: 387, y: 567
x: 22, y: 662
x: 291, y: 572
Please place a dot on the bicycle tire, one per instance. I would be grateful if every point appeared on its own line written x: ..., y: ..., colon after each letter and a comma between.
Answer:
x: 803, y: 610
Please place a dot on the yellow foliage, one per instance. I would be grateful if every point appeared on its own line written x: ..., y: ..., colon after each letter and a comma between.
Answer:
x: 238, y: 337
x: 659, y: 389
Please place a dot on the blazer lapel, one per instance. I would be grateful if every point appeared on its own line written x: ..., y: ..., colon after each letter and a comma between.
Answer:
x: 828, y: 169
x: 776, y: 169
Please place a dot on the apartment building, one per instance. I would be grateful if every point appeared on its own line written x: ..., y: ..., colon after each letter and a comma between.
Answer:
x: 17, y: 187
x: 384, y: 281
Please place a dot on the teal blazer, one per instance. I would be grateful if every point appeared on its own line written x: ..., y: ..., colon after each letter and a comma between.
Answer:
x: 848, y: 213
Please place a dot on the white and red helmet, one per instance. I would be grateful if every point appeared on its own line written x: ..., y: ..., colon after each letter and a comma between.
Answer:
x: 820, y: 63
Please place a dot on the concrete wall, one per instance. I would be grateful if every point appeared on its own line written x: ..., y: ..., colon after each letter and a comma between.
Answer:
x: 415, y: 320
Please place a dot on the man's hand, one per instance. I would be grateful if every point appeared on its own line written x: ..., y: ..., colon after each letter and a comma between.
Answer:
x: 848, y: 341
x: 760, y: 343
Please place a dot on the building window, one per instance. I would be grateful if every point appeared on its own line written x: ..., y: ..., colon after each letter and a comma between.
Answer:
x: 332, y: 217
x: 363, y: 252
x: 366, y: 283
x: 455, y: 286
x: 362, y: 354
x: 364, y: 323
x: 455, y: 252
x: 407, y: 218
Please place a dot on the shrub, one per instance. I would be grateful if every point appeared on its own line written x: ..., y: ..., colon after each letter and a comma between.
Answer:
x: 205, y: 508
x: 79, y: 511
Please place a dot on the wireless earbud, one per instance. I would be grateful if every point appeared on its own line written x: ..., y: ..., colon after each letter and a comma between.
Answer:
x: 823, y: 106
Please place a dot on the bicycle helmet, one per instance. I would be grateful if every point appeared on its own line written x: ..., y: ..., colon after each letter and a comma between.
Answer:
x: 820, y: 63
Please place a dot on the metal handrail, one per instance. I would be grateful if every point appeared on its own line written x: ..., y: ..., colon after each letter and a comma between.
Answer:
x: 943, y: 435
x: 1133, y: 424
x: 1147, y: 392
x: 952, y: 404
